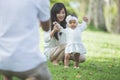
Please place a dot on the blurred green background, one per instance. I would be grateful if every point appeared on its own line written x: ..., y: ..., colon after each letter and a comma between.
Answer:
x: 102, y: 14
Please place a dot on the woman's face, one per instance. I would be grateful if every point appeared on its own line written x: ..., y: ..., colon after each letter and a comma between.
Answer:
x: 61, y: 15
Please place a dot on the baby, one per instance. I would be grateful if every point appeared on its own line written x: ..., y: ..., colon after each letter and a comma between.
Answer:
x: 73, y: 39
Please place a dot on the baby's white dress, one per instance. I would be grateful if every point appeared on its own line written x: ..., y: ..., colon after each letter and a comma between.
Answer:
x: 74, y: 40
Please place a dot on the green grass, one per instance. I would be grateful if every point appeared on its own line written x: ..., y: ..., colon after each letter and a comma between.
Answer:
x: 103, y: 59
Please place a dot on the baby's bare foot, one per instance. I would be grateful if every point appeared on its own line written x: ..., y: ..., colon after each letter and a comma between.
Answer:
x: 75, y: 67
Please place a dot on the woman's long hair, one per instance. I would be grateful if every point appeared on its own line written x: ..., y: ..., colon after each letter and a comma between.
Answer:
x: 54, y: 11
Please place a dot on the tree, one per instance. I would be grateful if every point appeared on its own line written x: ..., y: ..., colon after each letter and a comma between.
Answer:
x: 96, y: 14
x: 91, y: 11
x: 66, y: 3
x: 99, y: 19
x: 118, y: 17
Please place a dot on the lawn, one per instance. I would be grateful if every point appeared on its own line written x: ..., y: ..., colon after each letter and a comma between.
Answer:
x: 103, y: 59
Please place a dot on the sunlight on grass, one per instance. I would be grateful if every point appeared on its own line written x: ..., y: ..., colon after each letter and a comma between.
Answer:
x: 103, y: 59
x: 101, y: 44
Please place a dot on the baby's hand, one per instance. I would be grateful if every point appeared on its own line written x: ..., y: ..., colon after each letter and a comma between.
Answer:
x: 56, y: 28
x: 85, y: 19
x: 56, y: 24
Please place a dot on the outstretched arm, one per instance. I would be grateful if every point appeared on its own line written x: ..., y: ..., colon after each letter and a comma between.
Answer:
x: 85, y: 19
x: 84, y: 24
x: 45, y: 25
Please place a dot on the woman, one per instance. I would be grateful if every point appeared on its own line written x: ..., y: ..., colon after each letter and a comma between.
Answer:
x: 55, y: 40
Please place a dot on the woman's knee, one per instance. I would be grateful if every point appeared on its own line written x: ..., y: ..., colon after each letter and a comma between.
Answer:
x: 58, y: 53
x: 82, y: 58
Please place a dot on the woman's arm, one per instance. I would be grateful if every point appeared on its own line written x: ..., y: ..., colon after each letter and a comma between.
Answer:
x: 55, y: 29
x: 52, y: 33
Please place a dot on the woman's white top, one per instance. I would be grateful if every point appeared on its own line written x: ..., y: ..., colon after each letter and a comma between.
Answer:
x: 50, y: 43
x: 74, y: 39
x: 19, y: 33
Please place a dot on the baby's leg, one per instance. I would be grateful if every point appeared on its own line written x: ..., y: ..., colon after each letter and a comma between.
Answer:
x: 66, y: 60
x: 81, y: 58
x: 77, y: 55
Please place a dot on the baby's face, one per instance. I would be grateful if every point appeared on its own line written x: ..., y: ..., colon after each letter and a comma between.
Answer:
x: 72, y: 24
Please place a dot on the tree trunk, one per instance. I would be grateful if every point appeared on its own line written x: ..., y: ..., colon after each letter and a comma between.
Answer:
x: 99, y: 19
x: 109, y: 16
x: 118, y: 18
x: 90, y: 11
